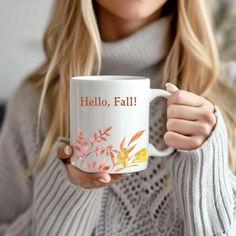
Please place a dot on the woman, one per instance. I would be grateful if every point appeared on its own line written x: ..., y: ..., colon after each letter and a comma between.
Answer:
x: 191, y: 192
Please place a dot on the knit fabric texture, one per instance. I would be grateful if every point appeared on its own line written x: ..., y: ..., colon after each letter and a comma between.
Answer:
x: 187, y: 193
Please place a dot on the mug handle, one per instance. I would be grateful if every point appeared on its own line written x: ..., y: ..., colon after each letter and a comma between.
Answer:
x: 153, y: 151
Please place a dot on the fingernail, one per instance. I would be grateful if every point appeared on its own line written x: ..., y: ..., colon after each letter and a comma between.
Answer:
x: 104, y: 181
x: 171, y: 87
x: 68, y: 150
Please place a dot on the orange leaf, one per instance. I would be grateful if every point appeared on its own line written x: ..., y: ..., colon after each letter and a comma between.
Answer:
x: 131, y: 148
x: 136, y: 136
x: 130, y: 158
x: 122, y: 143
x: 116, y: 151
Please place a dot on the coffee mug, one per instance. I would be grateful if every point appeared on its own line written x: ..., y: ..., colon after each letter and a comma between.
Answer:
x: 109, y: 123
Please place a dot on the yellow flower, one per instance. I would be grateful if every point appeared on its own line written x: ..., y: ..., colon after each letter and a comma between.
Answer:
x: 141, y: 155
x: 123, y: 157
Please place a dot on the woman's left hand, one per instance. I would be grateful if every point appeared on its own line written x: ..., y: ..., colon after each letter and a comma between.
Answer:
x: 190, y: 119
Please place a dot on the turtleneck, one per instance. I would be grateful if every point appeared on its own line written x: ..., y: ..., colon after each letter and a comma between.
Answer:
x: 141, y: 53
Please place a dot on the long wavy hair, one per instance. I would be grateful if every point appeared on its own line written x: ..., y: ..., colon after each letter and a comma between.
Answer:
x: 72, y: 46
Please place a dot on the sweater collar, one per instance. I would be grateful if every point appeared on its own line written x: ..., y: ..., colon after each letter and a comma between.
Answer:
x: 137, y: 52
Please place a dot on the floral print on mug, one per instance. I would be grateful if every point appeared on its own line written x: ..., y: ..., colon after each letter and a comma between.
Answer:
x: 123, y: 157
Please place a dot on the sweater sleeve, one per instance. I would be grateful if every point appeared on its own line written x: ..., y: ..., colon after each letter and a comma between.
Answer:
x: 47, y: 203
x: 60, y: 207
x: 204, y: 186
x: 16, y: 190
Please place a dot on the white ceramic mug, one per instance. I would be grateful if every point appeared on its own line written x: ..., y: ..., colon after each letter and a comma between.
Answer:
x: 109, y: 123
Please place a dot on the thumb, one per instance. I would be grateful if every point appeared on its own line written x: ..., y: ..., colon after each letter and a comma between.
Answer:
x: 104, y: 177
x: 77, y: 174
x: 171, y: 88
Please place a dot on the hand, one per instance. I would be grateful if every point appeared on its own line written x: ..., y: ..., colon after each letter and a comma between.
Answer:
x: 190, y: 119
x: 84, y: 179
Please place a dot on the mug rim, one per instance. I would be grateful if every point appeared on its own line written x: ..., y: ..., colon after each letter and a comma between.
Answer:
x: 111, y: 78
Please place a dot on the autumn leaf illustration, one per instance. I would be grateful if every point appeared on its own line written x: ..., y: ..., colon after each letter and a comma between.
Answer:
x: 96, y: 145
x: 95, y: 135
x: 92, y: 165
x: 104, y: 166
x: 108, y: 129
x: 91, y: 141
x: 131, y: 148
x: 141, y: 156
x: 87, y: 147
x: 102, y: 138
x: 122, y: 143
x: 136, y: 136
x: 123, y: 157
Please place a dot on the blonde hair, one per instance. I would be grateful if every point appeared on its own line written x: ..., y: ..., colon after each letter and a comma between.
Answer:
x: 72, y: 46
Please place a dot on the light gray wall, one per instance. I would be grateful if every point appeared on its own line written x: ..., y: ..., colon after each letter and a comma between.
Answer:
x: 21, y: 27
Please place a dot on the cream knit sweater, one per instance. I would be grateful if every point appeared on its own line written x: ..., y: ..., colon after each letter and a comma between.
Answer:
x: 188, y: 193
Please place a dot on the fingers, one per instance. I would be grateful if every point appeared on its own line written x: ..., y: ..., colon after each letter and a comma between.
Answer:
x: 190, y: 113
x: 186, y: 98
x: 182, y: 112
x: 187, y: 127
x: 183, y: 142
x: 183, y: 97
x: 190, y: 119
x: 82, y: 178
x: 91, y: 180
x: 171, y: 88
x: 85, y: 179
x: 210, y: 105
x: 65, y: 151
